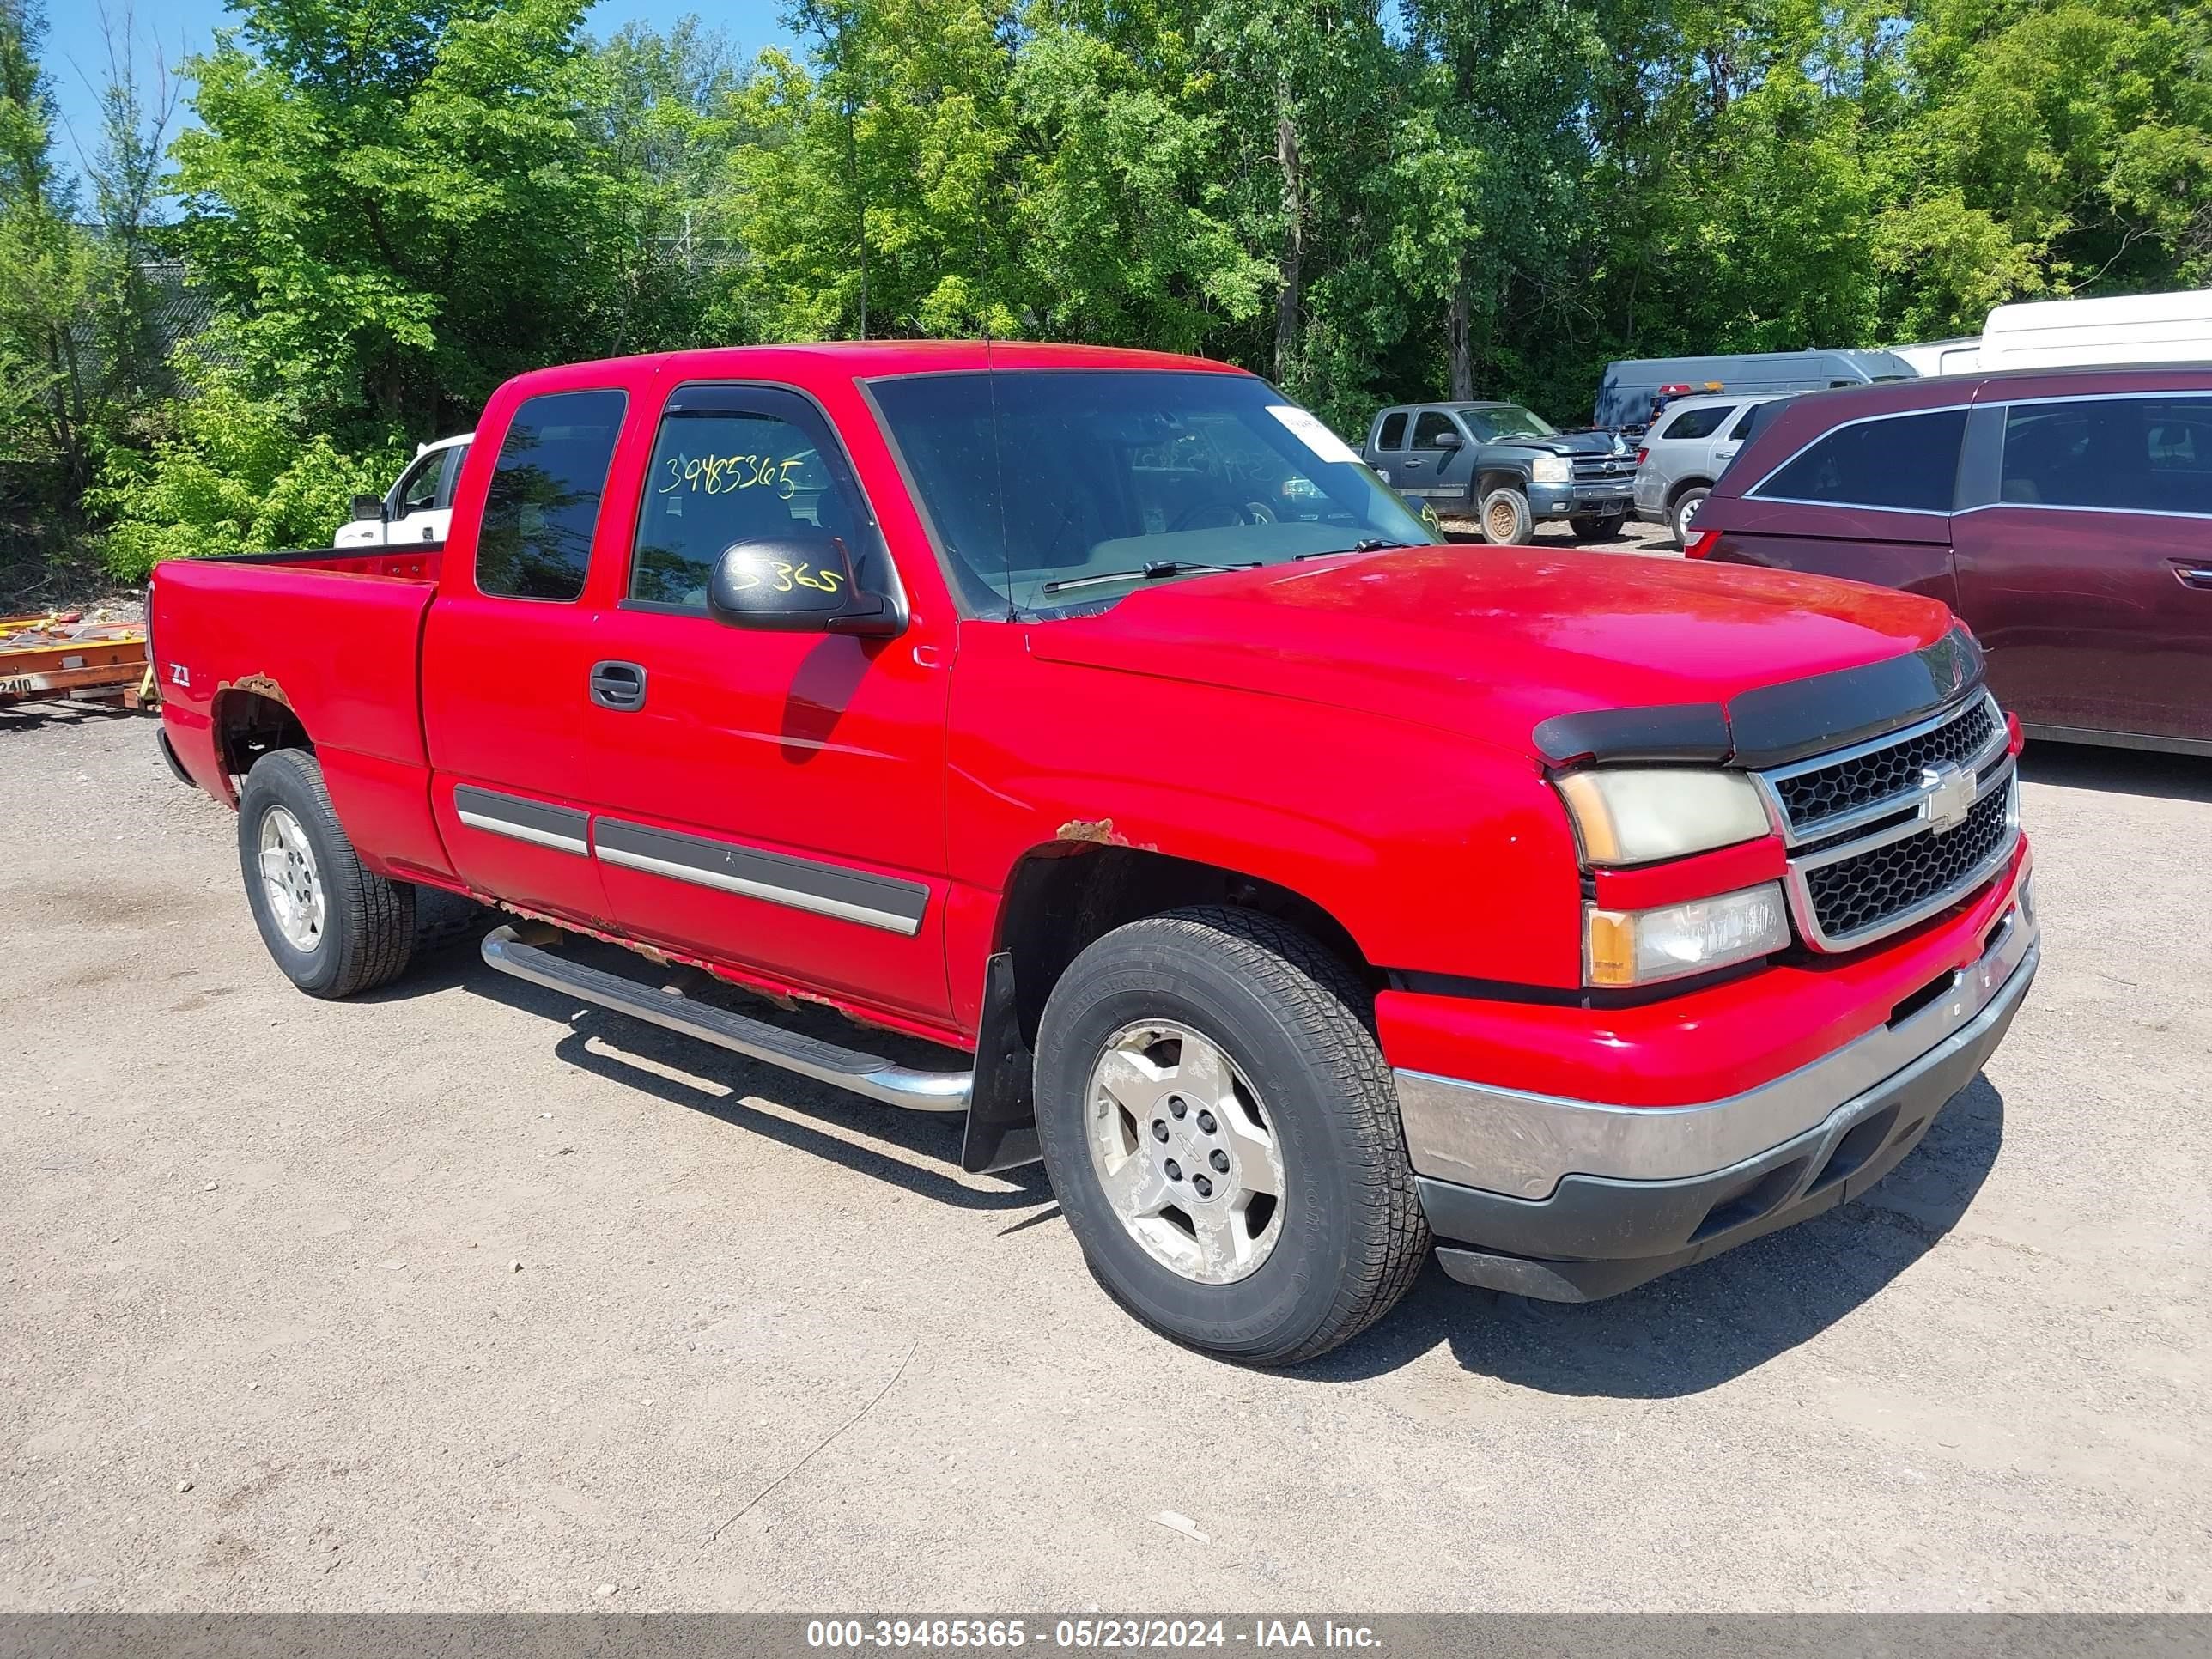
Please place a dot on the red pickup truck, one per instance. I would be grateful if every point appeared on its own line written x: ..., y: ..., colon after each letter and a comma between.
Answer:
x: 1304, y: 892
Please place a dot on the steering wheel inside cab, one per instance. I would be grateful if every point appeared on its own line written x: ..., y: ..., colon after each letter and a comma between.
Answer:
x: 1220, y: 512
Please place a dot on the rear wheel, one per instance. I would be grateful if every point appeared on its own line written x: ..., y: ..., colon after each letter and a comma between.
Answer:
x: 1686, y: 509
x: 1222, y: 1135
x: 1506, y: 520
x: 333, y: 926
x: 1596, y: 527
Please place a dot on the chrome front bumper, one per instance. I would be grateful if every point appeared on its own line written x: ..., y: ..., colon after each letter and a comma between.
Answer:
x: 1521, y: 1146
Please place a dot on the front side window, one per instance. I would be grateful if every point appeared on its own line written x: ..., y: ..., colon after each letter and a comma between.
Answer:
x: 1491, y: 424
x: 1698, y: 422
x: 1744, y: 426
x: 1430, y: 429
x: 2148, y: 454
x: 1394, y: 432
x: 1905, y: 462
x: 734, y: 465
x: 1052, y: 492
x: 542, y: 507
x: 418, y: 485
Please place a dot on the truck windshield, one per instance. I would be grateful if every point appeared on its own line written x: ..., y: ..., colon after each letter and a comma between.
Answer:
x: 1492, y: 424
x: 1055, y: 492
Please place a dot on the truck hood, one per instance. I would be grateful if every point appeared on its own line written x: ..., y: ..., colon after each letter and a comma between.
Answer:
x: 1491, y: 642
x: 1592, y: 442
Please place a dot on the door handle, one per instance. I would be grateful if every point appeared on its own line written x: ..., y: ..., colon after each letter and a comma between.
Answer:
x: 618, y: 685
x: 1412, y: 461
x: 2196, y: 576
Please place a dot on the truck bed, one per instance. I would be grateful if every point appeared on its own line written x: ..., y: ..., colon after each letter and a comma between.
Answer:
x: 412, y: 564
x: 332, y: 634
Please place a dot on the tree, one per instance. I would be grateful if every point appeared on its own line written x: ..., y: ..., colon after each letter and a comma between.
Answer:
x: 47, y: 266
x: 662, y: 119
x: 1123, y: 217
x: 396, y: 204
x: 877, y: 192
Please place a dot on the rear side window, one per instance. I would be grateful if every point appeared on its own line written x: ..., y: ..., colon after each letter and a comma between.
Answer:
x: 1908, y: 462
x: 1745, y: 427
x: 1698, y: 422
x: 1431, y: 427
x: 2144, y: 454
x: 1394, y: 432
x: 543, y: 507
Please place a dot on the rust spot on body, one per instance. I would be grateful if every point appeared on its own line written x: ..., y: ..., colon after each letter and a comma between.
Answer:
x: 1100, y: 831
x: 260, y: 684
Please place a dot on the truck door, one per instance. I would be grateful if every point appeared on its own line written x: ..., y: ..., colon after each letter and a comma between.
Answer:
x: 512, y: 659
x: 773, y: 800
x: 1870, y: 500
x: 434, y: 523
x: 1438, y: 462
x: 412, y: 513
x: 2085, y: 563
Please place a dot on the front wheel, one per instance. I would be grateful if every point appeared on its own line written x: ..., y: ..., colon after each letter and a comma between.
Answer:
x: 334, y: 926
x: 1221, y: 1132
x: 1685, y: 512
x: 1596, y: 527
x: 1506, y: 520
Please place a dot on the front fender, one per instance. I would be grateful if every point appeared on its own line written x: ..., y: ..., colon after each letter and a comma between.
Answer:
x: 1435, y: 851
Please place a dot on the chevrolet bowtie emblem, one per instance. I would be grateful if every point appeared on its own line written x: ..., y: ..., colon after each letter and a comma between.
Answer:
x: 1950, y: 795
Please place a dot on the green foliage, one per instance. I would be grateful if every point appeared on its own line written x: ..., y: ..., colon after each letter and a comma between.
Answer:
x: 395, y: 205
x: 236, y: 476
x: 391, y: 205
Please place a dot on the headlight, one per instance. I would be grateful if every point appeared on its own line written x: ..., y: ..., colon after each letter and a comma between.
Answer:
x: 1634, y: 816
x: 1643, y: 947
x: 1552, y: 469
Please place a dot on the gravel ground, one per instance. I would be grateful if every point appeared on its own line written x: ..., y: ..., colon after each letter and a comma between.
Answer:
x: 264, y: 1346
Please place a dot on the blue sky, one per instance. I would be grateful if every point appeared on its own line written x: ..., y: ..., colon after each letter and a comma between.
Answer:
x: 77, y: 50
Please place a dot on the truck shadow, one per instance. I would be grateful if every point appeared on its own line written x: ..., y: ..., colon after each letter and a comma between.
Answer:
x: 1691, y: 1330
x: 2117, y: 771
x: 1705, y: 1325
x: 684, y: 1072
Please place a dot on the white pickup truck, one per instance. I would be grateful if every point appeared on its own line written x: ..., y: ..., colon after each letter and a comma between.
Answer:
x: 417, y: 509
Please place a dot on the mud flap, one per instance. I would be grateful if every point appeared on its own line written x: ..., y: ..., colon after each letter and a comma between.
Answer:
x: 1002, y: 1100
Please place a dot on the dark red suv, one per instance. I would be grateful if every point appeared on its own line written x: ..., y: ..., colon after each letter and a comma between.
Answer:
x: 2066, y: 514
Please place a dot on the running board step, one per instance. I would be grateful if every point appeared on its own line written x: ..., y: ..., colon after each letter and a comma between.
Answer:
x: 825, y: 1062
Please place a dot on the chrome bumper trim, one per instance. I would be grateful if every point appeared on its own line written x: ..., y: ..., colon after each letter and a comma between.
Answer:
x: 1507, y: 1140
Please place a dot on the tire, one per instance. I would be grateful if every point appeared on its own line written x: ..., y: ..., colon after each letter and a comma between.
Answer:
x: 1592, y: 527
x: 1343, y: 1237
x: 1685, y: 510
x: 1505, y: 518
x: 334, y: 926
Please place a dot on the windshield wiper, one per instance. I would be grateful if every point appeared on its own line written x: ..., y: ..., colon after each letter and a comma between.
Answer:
x: 1365, y: 545
x: 1149, y: 572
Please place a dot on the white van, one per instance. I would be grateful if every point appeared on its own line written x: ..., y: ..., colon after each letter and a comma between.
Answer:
x: 2137, y: 328
x: 1961, y: 356
x: 417, y: 509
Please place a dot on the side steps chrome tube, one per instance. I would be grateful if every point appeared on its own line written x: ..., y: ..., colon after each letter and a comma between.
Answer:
x: 825, y: 1062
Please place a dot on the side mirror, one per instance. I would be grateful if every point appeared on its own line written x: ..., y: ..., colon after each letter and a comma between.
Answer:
x: 1449, y: 440
x: 367, y: 508
x: 798, y: 583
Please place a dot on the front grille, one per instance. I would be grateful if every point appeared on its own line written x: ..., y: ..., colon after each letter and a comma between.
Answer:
x: 1604, y: 469
x: 1854, y: 894
x: 1810, y: 798
x: 1864, y: 858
